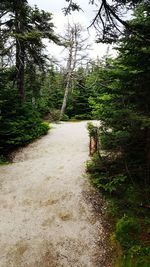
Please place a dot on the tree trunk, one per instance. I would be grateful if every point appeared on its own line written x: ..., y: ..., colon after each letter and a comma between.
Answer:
x: 20, y: 56
x: 65, y: 97
x: 20, y: 69
x: 69, y: 73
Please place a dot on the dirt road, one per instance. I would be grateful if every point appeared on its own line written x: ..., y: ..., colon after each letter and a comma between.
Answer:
x: 45, y: 219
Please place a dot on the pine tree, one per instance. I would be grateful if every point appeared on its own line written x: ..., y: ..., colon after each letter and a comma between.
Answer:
x: 22, y: 31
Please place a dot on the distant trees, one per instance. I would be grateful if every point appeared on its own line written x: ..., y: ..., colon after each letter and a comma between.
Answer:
x: 78, y: 102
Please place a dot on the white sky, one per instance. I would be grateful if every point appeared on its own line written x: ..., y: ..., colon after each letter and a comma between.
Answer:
x: 59, y: 20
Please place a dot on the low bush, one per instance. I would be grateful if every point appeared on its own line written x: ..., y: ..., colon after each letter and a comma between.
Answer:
x: 54, y: 115
x: 92, y: 129
x: 42, y: 106
x: 137, y: 256
x: 103, y: 178
x: 127, y: 231
x: 65, y: 117
x: 19, y: 127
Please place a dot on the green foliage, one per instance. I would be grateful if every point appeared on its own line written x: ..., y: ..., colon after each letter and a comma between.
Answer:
x: 78, y: 102
x: 127, y: 231
x: 53, y: 87
x: 104, y: 176
x: 19, y: 127
x: 32, y: 26
x: 48, y: 92
x: 133, y: 195
x: 94, y: 166
x: 109, y: 185
x: 92, y: 129
x: 113, y: 209
x: 137, y: 256
x: 83, y: 116
x: 65, y: 117
x: 122, y: 168
x: 114, y: 183
x: 42, y: 106
x: 3, y: 160
x: 19, y: 124
x: 23, y: 98
x: 122, y: 105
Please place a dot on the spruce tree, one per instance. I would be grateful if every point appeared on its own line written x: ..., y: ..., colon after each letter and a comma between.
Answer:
x: 123, y: 103
x: 22, y: 31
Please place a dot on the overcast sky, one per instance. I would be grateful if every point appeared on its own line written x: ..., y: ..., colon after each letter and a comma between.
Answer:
x: 59, y: 20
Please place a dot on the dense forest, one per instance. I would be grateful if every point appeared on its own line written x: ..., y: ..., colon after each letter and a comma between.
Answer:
x: 35, y: 90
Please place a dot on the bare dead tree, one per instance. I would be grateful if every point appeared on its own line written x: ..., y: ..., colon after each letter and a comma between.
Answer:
x: 77, y: 48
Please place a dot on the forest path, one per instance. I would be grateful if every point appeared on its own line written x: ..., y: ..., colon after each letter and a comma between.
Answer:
x: 45, y: 217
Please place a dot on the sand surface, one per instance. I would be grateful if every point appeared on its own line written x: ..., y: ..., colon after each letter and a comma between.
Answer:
x: 45, y: 218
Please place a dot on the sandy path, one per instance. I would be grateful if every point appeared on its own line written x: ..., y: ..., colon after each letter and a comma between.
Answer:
x: 45, y: 220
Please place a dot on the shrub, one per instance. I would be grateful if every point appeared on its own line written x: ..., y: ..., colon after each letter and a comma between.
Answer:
x: 54, y: 115
x: 65, y: 117
x: 133, y: 195
x: 127, y: 231
x: 20, y: 126
x: 42, y: 106
x: 93, y: 130
x: 102, y: 178
x: 137, y: 256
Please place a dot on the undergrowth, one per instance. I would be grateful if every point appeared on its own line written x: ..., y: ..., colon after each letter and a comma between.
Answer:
x: 18, y: 127
x: 127, y: 210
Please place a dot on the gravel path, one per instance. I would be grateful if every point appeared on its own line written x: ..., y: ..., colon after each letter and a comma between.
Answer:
x: 45, y: 218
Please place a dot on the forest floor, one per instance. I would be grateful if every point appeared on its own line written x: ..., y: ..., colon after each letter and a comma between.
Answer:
x: 50, y: 216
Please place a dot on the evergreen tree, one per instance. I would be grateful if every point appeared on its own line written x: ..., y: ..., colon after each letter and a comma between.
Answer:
x: 78, y: 104
x: 24, y: 28
x: 123, y: 104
